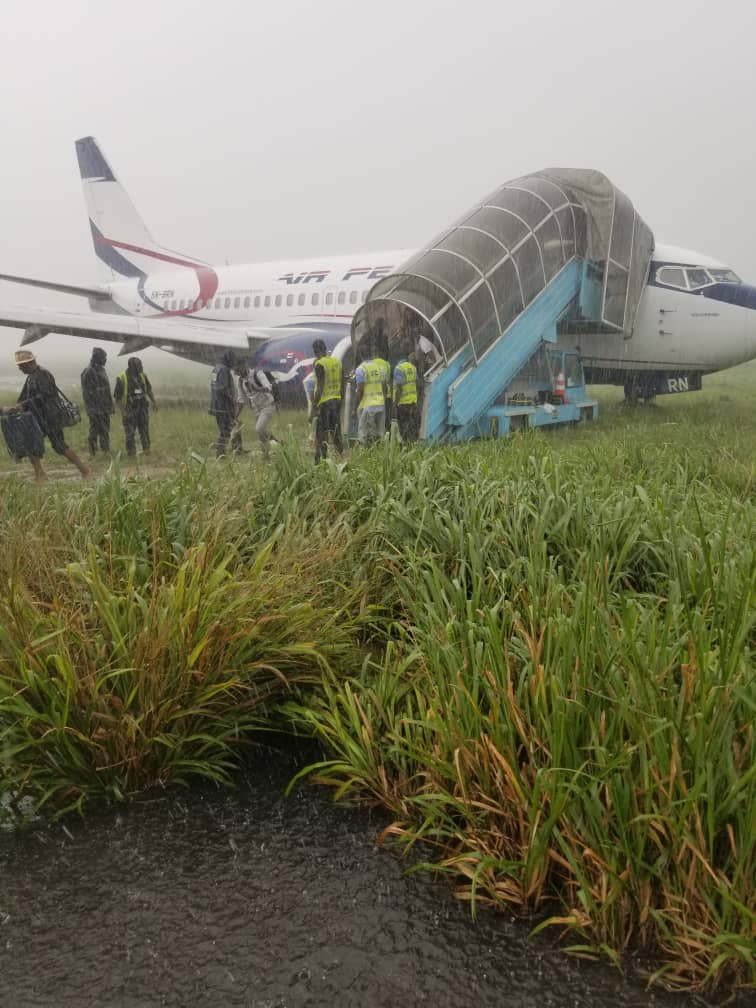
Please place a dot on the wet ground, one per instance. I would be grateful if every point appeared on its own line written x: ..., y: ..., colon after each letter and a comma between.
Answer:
x: 255, y: 899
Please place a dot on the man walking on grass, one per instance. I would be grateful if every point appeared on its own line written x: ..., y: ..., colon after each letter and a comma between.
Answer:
x: 133, y: 395
x: 260, y: 389
x: 326, y: 400
x: 371, y: 380
x: 42, y: 398
x: 405, y: 399
x: 98, y: 401
x: 223, y: 400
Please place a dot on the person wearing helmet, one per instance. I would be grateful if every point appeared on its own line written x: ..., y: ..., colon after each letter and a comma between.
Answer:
x: 98, y: 401
x: 133, y: 395
x: 326, y: 400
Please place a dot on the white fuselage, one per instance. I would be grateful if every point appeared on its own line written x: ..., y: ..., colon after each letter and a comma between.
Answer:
x: 675, y: 329
x: 679, y: 329
x: 270, y: 294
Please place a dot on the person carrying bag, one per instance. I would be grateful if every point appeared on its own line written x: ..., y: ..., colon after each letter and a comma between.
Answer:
x: 50, y: 409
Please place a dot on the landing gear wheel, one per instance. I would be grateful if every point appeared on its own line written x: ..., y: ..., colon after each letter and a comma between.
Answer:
x: 637, y: 395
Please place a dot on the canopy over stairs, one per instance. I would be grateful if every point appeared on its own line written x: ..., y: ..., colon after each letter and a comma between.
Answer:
x: 560, y: 245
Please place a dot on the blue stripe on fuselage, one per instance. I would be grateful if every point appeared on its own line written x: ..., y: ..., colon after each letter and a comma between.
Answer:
x: 111, y: 257
x: 742, y: 295
x: 277, y: 347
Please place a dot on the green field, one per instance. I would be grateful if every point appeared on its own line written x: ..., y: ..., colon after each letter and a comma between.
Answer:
x: 537, y: 654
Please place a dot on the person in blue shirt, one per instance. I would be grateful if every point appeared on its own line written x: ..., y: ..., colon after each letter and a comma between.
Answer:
x: 371, y: 382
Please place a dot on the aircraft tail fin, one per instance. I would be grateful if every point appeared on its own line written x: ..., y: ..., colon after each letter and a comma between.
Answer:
x: 122, y: 244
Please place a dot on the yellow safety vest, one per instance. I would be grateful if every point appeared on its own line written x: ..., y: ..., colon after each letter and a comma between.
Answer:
x: 385, y: 365
x: 408, y: 372
x: 374, y: 372
x: 331, y: 378
x: 125, y: 380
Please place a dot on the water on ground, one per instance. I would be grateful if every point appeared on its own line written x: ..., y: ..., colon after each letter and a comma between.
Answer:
x: 264, y: 901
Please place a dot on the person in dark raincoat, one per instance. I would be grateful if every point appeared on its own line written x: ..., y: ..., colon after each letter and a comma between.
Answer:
x: 41, y: 397
x: 223, y: 400
x: 98, y: 401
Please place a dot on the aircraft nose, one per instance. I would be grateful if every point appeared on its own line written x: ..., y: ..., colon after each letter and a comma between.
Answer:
x: 748, y: 300
x: 740, y: 331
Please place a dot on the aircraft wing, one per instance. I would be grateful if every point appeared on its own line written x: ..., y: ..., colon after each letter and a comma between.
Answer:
x: 96, y: 293
x: 137, y: 333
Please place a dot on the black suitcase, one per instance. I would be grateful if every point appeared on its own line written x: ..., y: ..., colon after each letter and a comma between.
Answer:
x: 23, y: 435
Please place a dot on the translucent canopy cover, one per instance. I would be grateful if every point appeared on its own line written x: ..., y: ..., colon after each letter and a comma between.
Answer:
x: 471, y: 283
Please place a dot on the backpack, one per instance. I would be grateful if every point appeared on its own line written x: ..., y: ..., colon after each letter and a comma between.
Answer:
x: 269, y: 384
x: 275, y: 391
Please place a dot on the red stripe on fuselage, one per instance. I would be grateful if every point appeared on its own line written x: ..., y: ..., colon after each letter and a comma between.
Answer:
x: 206, y: 275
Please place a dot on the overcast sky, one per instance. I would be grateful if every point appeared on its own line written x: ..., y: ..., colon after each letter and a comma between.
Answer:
x: 250, y: 131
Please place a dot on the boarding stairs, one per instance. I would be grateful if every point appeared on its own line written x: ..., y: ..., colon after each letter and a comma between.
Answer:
x: 497, y: 296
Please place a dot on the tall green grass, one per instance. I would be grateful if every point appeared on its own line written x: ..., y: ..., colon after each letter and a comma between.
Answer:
x: 144, y: 641
x: 564, y: 703
x: 537, y: 655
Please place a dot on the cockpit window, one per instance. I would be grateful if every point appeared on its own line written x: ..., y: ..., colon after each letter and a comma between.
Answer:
x: 724, y: 276
x: 698, y: 278
x: 672, y: 276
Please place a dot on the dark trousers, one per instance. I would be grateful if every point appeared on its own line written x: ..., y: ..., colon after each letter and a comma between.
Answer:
x: 328, y: 422
x: 408, y: 418
x: 136, y: 420
x: 99, y: 430
x: 225, y: 422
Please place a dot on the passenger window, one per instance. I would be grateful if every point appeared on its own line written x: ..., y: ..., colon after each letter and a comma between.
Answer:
x: 267, y: 300
x: 237, y: 302
x: 698, y: 277
x: 364, y: 296
x: 279, y: 299
x: 671, y: 276
x: 246, y: 302
x: 173, y: 306
x: 217, y: 302
x: 315, y: 299
x: 301, y: 299
x: 289, y: 299
x: 329, y: 299
x: 181, y: 304
x: 227, y: 303
x: 257, y: 301
x: 342, y: 297
x: 353, y: 297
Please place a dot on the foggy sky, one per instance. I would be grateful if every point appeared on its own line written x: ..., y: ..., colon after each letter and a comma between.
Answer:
x: 272, y: 130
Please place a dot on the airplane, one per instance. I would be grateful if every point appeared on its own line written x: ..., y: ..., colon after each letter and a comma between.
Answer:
x: 695, y: 317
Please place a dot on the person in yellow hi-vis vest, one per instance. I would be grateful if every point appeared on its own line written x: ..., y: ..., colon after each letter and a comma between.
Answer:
x: 385, y: 364
x: 405, y: 400
x: 326, y: 400
x: 371, y: 381
x: 132, y: 394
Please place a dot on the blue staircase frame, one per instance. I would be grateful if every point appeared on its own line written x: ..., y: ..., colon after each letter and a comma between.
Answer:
x: 461, y: 393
